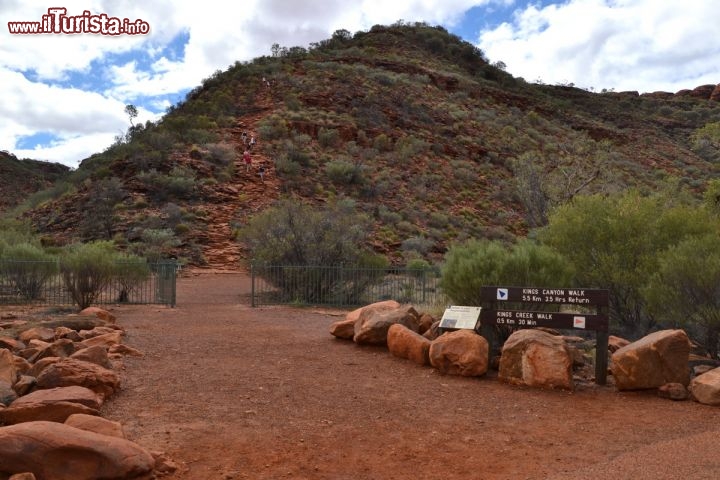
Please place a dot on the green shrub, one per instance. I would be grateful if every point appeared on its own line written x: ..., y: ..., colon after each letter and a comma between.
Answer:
x: 220, y: 153
x: 27, y: 267
x: 328, y: 137
x: 287, y: 168
x: 87, y: 270
x: 130, y: 272
x: 615, y: 242
x: 181, y: 228
x: 13, y: 232
x: 292, y: 234
x: 156, y: 243
x: 382, y: 143
x: 419, y: 267
x: 418, y: 244
x: 481, y: 262
x: 343, y: 172
x: 179, y: 183
x: 272, y: 128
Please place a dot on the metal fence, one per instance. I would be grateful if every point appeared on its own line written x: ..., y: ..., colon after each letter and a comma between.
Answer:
x: 42, y: 283
x: 342, y: 285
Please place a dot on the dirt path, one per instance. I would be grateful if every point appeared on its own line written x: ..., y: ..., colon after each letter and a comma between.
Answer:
x: 243, y: 195
x: 232, y: 392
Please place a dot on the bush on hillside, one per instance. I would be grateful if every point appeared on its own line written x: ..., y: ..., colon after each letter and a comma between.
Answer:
x: 179, y: 183
x: 299, y: 249
x: 344, y: 173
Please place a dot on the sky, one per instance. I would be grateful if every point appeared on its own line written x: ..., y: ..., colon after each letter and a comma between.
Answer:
x: 64, y: 94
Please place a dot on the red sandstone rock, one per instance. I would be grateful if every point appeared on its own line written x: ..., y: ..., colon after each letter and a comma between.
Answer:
x: 425, y: 322
x: 715, y: 95
x: 8, y: 372
x: 11, y: 343
x: 344, y: 329
x: 462, y: 352
x: 673, y: 391
x: 404, y: 343
x: 654, y: 360
x: 703, y: 91
x: 97, y: 354
x: 75, y: 394
x: 372, y: 326
x: 536, y: 358
x: 65, y: 332
x: 616, y: 343
x: 67, y: 372
x: 53, y: 451
x: 48, y: 412
x: 38, y: 333
x: 99, y: 313
x: 121, y: 349
x: 95, y: 424
x: 378, y: 306
x: 706, y: 387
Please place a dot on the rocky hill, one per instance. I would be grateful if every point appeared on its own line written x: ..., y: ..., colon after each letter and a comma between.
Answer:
x: 21, y: 178
x: 408, y: 121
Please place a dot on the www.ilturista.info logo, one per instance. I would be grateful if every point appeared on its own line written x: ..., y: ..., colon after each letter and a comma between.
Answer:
x: 58, y: 22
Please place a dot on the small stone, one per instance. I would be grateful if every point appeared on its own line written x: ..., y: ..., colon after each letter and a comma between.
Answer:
x: 673, y: 391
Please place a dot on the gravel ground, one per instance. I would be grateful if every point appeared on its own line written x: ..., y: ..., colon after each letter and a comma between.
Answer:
x: 231, y: 392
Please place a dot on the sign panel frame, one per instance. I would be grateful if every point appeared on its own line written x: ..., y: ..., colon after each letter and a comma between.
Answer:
x: 458, y: 317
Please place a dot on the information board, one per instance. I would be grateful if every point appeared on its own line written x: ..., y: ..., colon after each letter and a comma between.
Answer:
x: 501, y: 302
x: 460, y: 317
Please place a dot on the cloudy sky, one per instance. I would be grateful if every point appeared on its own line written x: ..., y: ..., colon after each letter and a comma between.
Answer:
x: 63, y: 95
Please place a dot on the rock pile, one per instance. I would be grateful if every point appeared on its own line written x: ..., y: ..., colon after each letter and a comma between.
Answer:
x: 535, y: 357
x: 54, y: 379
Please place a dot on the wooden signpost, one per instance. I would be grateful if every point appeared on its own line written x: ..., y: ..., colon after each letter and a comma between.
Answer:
x: 499, y: 313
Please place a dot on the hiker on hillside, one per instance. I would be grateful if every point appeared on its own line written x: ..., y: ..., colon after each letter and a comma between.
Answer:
x: 247, y: 160
x: 261, y: 172
x: 252, y: 141
x: 244, y: 138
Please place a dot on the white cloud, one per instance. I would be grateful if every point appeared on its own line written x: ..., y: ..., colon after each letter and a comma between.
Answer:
x: 84, y: 122
x: 69, y: 150
x: 643, y: 45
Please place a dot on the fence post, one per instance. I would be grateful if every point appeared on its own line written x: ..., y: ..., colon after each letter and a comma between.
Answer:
x: 252, y: 285
x: 424, y: 272
x: 173, y: 294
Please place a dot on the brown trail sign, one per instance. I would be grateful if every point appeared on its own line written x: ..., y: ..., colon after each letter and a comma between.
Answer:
x: 500, y: 297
